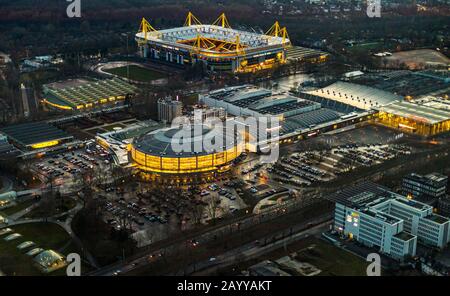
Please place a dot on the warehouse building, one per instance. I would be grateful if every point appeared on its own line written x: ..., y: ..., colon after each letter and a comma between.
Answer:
x: 415, y: 118
x: 250, y: 100
x: 299, y: 117
x: 81, y: 94
x: 356, y: 96
x: 36, y: 135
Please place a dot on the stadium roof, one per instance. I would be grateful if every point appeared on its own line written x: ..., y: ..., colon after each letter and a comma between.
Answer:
x: 161, y: 142
x: 417, y: 112
x: 359, y: 96
x: 87, y: 93
x: 177, y: 35
x: 28, y: 134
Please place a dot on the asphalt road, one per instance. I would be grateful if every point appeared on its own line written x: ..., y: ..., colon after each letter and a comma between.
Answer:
x: 249, y: 251
x: 125, y: 267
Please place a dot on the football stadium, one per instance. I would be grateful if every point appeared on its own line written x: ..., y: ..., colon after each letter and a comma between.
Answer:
x: 80, y: 94
x: 155, y: 153
x: 220, y: 47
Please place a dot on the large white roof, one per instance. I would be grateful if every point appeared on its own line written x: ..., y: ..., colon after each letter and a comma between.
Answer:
x: 417, y: 112
x: 249, y: 39
x: 359, y: 96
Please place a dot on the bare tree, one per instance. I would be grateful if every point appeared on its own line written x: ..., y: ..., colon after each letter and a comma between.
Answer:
x: 197, y: 213
x: 213, y: 206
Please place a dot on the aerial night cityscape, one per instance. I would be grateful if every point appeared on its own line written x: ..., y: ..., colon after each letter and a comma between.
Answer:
x: 222, y: 139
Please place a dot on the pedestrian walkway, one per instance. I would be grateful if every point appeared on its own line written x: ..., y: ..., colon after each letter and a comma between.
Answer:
x: 20, y: 214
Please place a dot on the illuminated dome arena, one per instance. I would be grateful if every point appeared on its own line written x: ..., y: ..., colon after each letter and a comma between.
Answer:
x: 155, y: 152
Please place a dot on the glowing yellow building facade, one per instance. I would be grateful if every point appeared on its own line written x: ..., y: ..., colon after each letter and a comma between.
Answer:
x: 154, y: 153
x: 415, y: 118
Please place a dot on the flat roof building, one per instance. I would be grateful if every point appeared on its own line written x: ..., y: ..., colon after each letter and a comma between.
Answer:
x: 431, y: 186
x: 7, y: 151
x: 295, y: 117
x: 80, y: 94
x: 36, y: 135
x: 267, y: 268
x: 355, y: 95
x: 415, y: 118
x: 169, y: 109
x: 250, y: 100
x: 377, y: 217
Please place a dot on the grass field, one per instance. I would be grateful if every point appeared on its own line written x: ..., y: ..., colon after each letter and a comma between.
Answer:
x: 44, y: 235
x: 136, y: 73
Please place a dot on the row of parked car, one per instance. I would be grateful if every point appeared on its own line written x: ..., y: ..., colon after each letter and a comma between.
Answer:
x: 255, y: 168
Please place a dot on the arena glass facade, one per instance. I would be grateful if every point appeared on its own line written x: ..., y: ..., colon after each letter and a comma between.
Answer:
x: 153, y: 155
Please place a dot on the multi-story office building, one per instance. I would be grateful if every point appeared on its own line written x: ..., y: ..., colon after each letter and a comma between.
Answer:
x: 377, y: 217
x: 169, y: 109
x: 431, y: 186
x: 444, y: 206
x: 210, y: 113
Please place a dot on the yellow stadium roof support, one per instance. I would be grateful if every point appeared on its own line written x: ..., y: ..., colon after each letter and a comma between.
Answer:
x: 202, y: 43
x: 239, y: 48
x: 222, y: 21
x: 146, y: 28
x: 191, y: 20
x: 284, y: 34
x: 275, y: 30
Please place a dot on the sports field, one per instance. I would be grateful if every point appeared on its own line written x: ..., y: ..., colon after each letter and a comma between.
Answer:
x: 418, y: 59
x: 136, y: 73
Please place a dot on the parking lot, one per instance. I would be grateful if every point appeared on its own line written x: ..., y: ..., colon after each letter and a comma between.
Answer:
x: 307, y: 168
x: 154, y: 214
x: 64, y: 169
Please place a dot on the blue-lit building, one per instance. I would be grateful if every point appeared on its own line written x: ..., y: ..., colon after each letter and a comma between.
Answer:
x: 431, y: 186
x: 376, y: 217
